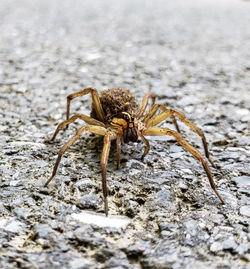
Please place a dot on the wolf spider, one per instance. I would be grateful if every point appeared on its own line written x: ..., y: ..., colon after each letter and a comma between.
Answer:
x: 116, y: 115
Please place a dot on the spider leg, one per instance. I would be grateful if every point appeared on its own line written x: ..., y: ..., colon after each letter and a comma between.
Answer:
x: 91, y: 128
x: 175, y: 123
x: 96, y: 102
x: 170, y: 112
x: 147, y: 148
x: 152, y: 112
x: 105, y: 154
x: 165, y: 131
x: 87, y: 119
x: 118, y: 149
x: 144, y: 104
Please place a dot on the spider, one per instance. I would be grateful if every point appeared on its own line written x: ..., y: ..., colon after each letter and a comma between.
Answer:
x: 116, y: 115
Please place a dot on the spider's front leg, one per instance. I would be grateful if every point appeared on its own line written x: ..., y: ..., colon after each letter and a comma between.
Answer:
x: 147, y: 148
x: 118, y: 151
x: 90, y: 128
x: 152, y: 111
x: 170, y: 113
x: 155, y: 131
x: 105, y: 154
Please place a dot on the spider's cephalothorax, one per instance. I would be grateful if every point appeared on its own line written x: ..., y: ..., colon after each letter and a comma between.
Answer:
x: 130, y: 133
x: 128, y: 127
x: 116, y: 115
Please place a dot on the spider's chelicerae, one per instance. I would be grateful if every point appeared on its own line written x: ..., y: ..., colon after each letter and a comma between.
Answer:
x: 116, y: 115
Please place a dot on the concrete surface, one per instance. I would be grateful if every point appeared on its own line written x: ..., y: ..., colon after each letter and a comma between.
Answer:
x: 195, y: 56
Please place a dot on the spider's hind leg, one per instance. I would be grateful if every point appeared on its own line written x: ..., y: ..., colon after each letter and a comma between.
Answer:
x: 96, y: 102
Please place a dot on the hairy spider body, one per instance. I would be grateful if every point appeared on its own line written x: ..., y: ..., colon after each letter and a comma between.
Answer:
x: 114, y: 102
x: 116, y: 115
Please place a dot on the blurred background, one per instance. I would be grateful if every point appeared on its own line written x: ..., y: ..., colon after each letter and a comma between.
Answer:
x: 136, y: 44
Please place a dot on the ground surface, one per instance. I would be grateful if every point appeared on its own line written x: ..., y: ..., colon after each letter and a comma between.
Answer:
x: 195, y: 57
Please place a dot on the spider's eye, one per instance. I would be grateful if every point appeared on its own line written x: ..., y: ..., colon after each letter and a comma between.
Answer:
x: 130, y: 134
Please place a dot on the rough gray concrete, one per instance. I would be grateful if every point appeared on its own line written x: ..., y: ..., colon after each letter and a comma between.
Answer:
x: 195, y: 56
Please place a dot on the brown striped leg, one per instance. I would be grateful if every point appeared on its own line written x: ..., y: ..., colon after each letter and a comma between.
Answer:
x: 118, y: 151
x: 144, y: 104
x: 152, y: 112
x: 94, y: 129
x: 170, y: 112
x: 147, y: 148
x: 165, y: 131
x: 105, y: 154
x: 87, y: 119
x: 95, y: 99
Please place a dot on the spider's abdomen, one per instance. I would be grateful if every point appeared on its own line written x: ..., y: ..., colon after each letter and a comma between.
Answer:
x: 116, y: 100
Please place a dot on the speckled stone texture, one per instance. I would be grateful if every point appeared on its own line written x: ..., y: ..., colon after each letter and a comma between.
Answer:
x: 195, y: 56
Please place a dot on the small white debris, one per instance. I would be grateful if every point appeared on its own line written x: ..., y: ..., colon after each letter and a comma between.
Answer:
x: 216, y: 246
x: 29, y: 144
x: 102, y: 220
